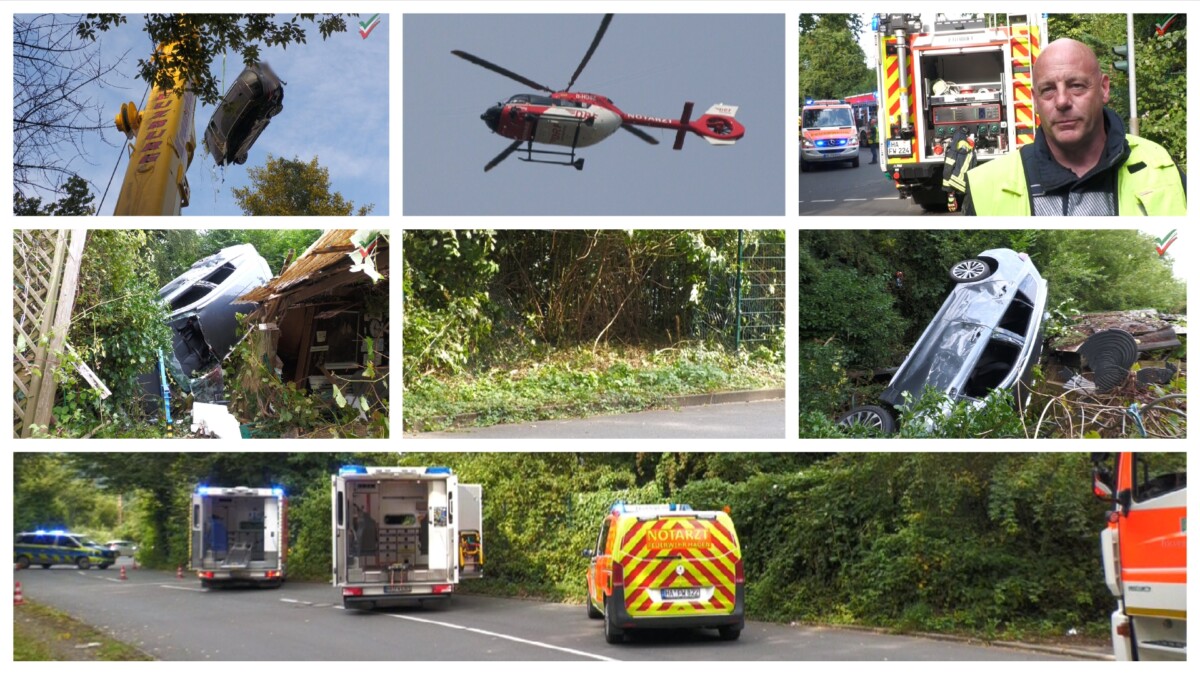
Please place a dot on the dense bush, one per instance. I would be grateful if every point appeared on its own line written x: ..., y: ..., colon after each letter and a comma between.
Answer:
x: 983, y: 543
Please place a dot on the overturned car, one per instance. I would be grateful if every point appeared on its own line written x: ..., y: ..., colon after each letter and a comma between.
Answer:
x: 247, y: 108
x: 203, y: 305
x: 986, y: 336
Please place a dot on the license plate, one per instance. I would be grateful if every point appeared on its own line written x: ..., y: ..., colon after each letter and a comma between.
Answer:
x: 680, y: 593
x: 399, y: 589
x: 899, y: 148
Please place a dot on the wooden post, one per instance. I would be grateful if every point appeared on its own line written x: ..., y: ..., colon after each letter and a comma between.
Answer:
x: 67, y: 259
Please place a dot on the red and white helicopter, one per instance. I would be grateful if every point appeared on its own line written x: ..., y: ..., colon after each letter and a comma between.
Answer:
x: 577, y: 120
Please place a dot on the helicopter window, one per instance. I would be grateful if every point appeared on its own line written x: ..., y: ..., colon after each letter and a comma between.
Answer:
x: 533, y: 99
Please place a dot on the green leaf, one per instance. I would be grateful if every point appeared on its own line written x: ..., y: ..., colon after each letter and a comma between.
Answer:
x: 338, y: 397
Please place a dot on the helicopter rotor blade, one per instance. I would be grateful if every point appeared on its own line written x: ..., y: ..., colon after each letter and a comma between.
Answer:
x: 640, y: 134
x: 503, y: 71
x: 595, y: 43
x: 502, y: 156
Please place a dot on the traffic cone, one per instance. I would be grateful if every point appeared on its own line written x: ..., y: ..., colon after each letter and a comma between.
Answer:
x: 123, y: 577
x: 18, y: 599
x: 179, y: 572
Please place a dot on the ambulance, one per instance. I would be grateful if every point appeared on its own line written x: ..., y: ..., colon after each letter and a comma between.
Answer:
x: 238, y: 536
x: 1144, y: 551
x: 666, y: 566
x: 828, y: 134
x: 404, y: 534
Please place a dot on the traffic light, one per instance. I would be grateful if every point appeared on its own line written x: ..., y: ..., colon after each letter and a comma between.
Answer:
x: 1123, y: 52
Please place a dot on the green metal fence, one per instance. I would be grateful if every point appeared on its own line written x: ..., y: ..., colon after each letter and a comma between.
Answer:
x: 743, y: 299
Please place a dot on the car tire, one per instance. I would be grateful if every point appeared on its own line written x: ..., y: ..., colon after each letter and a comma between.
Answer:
x: 592, y: 612
x: 804, y: 166
x: 104, y: 566
x: 854, y: 163
x: 612, y: 634
x: 23, y: 561
x: 82, y: 563
x: 969, y: 270
x: 730, y: 633
x: 46, y: 566
x: 870, y: 416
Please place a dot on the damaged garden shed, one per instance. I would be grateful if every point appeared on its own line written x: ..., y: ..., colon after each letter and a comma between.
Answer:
x: 322, y: 324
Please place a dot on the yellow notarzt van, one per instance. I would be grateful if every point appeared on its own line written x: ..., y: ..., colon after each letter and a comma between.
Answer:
x: 666, y: 566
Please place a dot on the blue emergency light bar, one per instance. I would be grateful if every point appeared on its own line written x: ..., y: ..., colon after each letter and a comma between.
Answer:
x: 277, y: 491
x: 622, y: 507
x: 438, y: 469
x: 352, y: 469
x: 202, y: 490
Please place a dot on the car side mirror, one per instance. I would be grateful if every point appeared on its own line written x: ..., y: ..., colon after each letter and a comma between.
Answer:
x: 588, y: 553
x: 1102, y: 486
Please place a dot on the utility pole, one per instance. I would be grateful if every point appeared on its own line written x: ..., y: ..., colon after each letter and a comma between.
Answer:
x: 1133, y: 113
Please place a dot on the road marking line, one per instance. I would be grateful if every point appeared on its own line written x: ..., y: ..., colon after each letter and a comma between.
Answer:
x: 856, y: 199
x: 115, y: 581
x: 885, y: 199
x: 821, y: 201
x: 502, y: 636
x: 185, y: 588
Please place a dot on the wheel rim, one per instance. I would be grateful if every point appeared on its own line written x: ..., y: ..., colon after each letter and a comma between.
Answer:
x: 968, y: 270
x: 867, y: 418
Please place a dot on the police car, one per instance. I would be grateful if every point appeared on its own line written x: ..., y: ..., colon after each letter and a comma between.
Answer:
x: 57, y: 547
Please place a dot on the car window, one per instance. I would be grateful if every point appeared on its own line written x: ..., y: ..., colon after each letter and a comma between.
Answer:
x: 603, y: 538
x: 1158, y: 473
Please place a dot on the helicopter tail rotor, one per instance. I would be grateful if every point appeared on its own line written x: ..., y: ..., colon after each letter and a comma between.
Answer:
x: 717, y: 126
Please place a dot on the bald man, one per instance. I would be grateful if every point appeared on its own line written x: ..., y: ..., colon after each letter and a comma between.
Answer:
x: 1082, y: 162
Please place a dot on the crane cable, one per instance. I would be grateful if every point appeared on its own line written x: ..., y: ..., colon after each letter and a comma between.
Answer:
x: 120, y: 153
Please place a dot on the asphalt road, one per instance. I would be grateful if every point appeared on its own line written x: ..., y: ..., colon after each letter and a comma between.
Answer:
x: 174, y: 619
x: 758, y: 419
x: 840, y: 190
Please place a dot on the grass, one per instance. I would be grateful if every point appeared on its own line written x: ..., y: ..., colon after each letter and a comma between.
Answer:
x: 41, y: 633
x: 577, y: 382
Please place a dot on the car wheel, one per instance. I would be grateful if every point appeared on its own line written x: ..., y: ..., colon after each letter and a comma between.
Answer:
x: 104, y: 566
x: 612, y: 634
x: 82, y: 563
x: 730, y: 633
x: 854, y: 163
x: 22, y: 562
x: 870, y: 416
x: 592, y: 612
x: 804, y: 167
x: 971, y: 269
x: 45, y: 566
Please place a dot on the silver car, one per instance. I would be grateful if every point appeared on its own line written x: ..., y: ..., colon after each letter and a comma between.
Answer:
x: 986, y: 336
x: 122, y: 548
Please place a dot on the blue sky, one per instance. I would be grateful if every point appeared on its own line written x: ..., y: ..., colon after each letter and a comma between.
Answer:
x: 335, y: 107
x: 647, y: 63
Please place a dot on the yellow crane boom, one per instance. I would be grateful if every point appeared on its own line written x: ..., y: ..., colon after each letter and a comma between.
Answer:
x: 163, y: 139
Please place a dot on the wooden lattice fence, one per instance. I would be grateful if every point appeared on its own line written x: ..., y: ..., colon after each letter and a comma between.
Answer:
x: 45, y: 276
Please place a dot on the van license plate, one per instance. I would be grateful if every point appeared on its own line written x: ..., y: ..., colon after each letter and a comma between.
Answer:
x: 899, y: 148
x: 399, y: 589
x: 680, y: 593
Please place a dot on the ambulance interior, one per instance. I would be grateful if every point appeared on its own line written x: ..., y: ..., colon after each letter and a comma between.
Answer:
x: 388, y: 533
x: 234, y: 534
